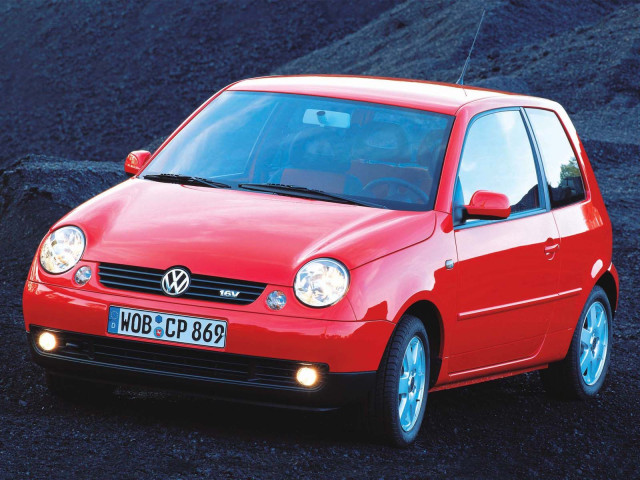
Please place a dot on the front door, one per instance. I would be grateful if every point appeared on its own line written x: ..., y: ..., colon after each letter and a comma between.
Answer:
x: 508, y: 269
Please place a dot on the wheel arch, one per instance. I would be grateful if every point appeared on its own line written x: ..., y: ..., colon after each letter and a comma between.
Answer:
x: 431, y: 318
x: 608, y: 283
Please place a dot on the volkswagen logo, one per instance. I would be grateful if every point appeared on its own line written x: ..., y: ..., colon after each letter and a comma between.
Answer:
x: 176, y: 281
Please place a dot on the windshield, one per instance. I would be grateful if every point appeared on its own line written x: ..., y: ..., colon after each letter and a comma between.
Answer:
x: 376, y: 154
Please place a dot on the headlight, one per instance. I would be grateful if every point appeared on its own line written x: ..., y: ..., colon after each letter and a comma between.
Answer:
x: 62, y: 249
x: 321, y: 282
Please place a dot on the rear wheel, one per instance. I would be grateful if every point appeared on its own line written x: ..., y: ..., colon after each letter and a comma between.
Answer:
x: 398, y: 405
x: 77, y: 389
x: 583, y: 371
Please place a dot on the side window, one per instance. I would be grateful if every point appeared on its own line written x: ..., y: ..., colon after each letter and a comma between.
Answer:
x: 560, y: 165
x: 497, y: 156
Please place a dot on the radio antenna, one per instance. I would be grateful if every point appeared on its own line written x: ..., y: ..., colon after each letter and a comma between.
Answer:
x: 466, y: 62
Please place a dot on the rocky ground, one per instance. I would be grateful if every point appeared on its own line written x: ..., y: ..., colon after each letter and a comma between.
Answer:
x: 71, y: 89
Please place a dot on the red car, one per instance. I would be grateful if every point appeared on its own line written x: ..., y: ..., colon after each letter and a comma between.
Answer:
x: 315, y: 241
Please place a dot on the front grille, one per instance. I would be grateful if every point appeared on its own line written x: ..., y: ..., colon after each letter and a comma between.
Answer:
x: 183, y: 361
x: 148, y: 280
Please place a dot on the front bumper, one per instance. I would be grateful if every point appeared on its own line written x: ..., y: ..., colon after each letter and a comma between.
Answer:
x: 219, y: 375
x: 348, y: 353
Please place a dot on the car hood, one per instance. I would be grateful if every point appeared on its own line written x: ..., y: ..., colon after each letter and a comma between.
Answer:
x: 236, y: 234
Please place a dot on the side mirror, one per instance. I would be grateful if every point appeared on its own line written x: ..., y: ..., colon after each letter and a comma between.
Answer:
x: 135, y: 161
x: 488, y: 206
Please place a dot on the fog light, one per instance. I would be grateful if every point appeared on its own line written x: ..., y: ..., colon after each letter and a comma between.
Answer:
x: 83, y: 275
x: 276, y: 300
x: 47, y: 341
x: 307, y: 376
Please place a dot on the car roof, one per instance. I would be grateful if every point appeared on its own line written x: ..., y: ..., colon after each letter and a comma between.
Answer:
x: 437, y: 97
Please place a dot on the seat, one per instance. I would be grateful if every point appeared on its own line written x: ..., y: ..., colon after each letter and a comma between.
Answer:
x: 382, y: 150
x: 382, y: 143
x: 318, y: 158
x: 431, y: 149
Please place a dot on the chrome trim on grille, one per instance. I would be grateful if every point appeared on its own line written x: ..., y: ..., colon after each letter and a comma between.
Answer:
x: 203, y: 287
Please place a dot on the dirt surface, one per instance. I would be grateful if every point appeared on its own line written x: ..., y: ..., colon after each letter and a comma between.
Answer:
x: 585, y: 55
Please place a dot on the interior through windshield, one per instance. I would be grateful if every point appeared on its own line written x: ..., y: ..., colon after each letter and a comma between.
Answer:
x: 389, y: 156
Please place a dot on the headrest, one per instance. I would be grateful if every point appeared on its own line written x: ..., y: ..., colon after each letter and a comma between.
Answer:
x: 431, y: 148
x: 381, y: 142
x: 319, y: 148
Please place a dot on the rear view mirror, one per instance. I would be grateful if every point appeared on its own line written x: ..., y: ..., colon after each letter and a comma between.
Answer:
x: 135, y: 161
x: 326, y: 118
x: 488, y: 206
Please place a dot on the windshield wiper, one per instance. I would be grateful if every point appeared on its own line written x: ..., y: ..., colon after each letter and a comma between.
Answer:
x: 185, y: 179
x: 304, y: 192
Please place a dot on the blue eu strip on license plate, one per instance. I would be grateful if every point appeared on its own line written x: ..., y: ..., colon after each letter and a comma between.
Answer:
x: 167, y: 326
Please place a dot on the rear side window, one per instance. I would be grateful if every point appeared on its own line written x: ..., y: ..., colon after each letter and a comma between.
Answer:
x: 560, y: 165
x: 497, y: 157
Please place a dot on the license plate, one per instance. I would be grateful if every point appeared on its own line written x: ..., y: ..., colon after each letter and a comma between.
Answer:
x: 167, y: 326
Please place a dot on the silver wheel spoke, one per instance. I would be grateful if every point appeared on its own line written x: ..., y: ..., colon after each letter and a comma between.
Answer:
x: 404, y: 384
x: 402, y: 408
x: 584, y: 361
x: 602, y: 328
x: 585, y: 337
x: 591, y: 318
x: 412, y: 405
x: 407, y: 361
x: 594, y: 339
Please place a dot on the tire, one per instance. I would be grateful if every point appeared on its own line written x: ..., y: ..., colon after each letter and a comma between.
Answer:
x: 383, y: 412
x: 571, y: 379
x: 76, y: 389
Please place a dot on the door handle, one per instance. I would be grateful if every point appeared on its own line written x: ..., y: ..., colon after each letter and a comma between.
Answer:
x: 551, y: 247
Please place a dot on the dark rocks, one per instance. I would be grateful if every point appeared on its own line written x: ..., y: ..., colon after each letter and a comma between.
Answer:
x: 95, y: 80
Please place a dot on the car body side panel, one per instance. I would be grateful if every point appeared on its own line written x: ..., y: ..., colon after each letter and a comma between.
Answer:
x: 389, y: 286
x: 586, y: 245
x: 507, y: 291
x: 586, y: 256
x: 575, y: 223
x: 384, y: 288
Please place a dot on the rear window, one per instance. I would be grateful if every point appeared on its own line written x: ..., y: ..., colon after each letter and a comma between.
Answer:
x: 564, y: 179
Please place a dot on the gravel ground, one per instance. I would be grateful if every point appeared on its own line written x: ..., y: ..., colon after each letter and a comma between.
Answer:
x: 502, y: 429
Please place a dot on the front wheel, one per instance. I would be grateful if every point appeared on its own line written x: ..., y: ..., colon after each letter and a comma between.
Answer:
x: 400, y: 396
x: 583, y: 371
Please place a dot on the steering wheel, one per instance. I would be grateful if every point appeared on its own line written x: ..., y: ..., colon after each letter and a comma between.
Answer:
x: 393, y: 191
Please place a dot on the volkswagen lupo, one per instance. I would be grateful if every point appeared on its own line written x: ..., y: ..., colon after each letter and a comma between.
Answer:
x: 317, y: 241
